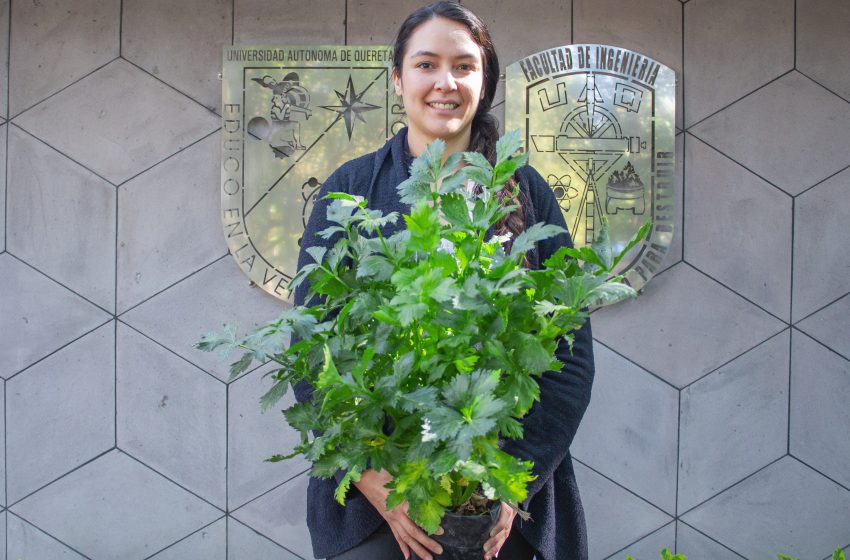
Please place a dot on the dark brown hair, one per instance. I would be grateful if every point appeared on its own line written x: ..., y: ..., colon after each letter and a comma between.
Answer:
x: 485, y: 128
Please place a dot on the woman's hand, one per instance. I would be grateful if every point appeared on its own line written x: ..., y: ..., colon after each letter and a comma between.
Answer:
x: 499, y: 533
x: 408, y: 535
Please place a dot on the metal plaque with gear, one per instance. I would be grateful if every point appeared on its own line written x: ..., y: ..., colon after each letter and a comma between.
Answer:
x: 291, y: 116
x: 598, y: 123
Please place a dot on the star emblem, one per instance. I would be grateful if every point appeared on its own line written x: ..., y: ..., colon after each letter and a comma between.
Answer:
x: 350, y: 106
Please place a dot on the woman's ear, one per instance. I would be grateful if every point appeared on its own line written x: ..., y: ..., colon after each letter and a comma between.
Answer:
x: 397, y: 83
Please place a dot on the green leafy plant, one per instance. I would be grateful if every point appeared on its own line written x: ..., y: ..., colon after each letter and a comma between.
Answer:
x: 837, y: 554
x: 423, y: 347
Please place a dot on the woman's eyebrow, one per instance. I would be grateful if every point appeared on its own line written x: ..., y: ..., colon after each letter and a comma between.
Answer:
x: 433, y: 54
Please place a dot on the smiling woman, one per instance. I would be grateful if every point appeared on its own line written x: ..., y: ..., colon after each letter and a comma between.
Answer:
x: 446, y: 70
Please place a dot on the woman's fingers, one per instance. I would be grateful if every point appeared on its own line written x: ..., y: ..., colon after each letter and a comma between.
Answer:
x: 405, y: 550
x: 499, y: 533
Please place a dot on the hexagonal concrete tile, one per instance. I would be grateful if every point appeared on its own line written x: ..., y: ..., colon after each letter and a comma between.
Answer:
x: 253, y: 436
x: 734, y: 421
x: 648, y: 548
x: 61, y: 218
x: 683, y: 326
x: 738, y: 229
x: 762, y: 514
x: 821, y: 262
x: 616, y: 518
x: 39, y: 316
x: 180, y: 196
x: 61, y: 412
x: 218, y: 294
x: 697, y: 546
x: 244, y: 543
x: 820, y: 417
x: 209, y: 543
x: 731, y: 49
x: 376, y: 22
x: 630, y: 429
x: 654, y: 29
x: 822, y: 39
x: 4, y: 68
x: 171, y: 416
x: 27, y: 541
x: 116, y: 508
x: 57, y: 43
x: 3, y: 137
x: 830, y: 326
x: 550, y: 20
x: 792, y: 132
x: 130, y: 121
x: 287, y: 526
x: 196, y: 29
x: 257, y: 22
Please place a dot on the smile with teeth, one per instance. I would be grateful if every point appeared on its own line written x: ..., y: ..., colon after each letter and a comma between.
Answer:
x: 436, y: 105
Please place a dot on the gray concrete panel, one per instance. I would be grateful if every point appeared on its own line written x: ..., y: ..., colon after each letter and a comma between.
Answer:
x: 792, y: 132
x: 61, y: 412
x: 4, y: 57
x: 733, y: 47
x: 171, y: 416
x: 654, y: 29
x: 649, y: 547
x: 697, y: 546
x: 822, y: 41
x: 245, y: 543
x: 253, y: 436
x: 683, y: 326
x: 319, y: 22
x: 149, y: 123
x: 821, y: 253
x: 37, y: 316
x: 153, y: 31
x: 219, y: 294
x: 3, y: 129
x: 629, y: 431
x: 545, y: 23
x: 61, y: 218
x: 734, y: 421
x: 116, y: 508
x: 26, y: 542
x: 830, y: 326
x: 615, y: 517
x: 169, y: 222
x: 3, y: 442
x: 376, y: 22
x: 820, y: 417
x: 287, y: 526
x: 57, y: 43
x: 209, y: 543
x: 786, y: 507
x: 738, y: 229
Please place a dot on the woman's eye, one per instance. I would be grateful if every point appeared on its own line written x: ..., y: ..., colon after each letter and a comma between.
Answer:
x: 424, y: 65
x: 464, y: 67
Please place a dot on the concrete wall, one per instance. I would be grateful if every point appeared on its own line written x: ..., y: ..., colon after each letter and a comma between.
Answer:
x: 720, y: 420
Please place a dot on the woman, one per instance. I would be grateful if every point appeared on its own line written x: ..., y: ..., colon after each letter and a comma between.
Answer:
x: 446, y: 71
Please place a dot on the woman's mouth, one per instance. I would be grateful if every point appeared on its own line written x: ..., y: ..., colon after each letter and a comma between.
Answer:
x: 449, y: 106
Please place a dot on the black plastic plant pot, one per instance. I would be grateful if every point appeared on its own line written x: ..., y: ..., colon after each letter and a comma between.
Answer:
x: 464, y: 535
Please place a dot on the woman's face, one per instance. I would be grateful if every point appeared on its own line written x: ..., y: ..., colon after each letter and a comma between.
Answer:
x: 441, y: 83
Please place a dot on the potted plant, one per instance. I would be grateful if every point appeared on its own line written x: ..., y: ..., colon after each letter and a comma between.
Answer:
x: 423, y: 347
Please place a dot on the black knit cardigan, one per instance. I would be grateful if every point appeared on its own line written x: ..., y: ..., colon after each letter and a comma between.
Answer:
x: 557, y: 529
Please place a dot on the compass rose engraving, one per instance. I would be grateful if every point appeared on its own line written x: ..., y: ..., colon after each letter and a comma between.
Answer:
x: 350, y: 106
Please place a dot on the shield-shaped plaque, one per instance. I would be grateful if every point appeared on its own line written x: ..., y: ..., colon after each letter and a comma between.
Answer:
x: 292, y: 115
x: 598, y: 123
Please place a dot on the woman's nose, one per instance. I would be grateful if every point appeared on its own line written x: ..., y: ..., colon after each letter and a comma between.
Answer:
x: 446, y: 82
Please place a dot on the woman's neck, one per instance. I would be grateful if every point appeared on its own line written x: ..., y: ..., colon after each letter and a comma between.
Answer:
x: 458, y: 143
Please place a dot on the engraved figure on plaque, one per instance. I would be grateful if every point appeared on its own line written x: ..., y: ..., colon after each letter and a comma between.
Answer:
x: 292, y: 115
x: 599, y: 125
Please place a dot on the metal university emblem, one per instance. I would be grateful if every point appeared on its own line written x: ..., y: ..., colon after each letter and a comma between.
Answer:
x: 291, y: 116
x: 599, y: 126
